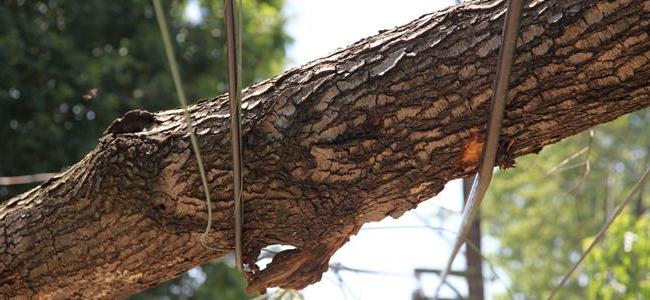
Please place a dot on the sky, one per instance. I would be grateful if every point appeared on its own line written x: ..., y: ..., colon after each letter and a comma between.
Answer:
x: 321, y: 26
x: 318, y: 28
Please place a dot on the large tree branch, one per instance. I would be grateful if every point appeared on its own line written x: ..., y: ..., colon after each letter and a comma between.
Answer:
x: 369, y: 131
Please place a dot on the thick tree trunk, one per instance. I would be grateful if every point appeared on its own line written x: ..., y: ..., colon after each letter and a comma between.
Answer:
x: 367, y: 132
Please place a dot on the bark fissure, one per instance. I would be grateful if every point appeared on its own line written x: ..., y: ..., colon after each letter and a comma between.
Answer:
x: 367, y: 132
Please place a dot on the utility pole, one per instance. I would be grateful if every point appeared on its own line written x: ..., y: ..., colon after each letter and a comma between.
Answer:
x: 473, y: 251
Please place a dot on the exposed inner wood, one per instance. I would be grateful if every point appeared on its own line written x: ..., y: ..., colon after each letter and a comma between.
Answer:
x: 367, y: 132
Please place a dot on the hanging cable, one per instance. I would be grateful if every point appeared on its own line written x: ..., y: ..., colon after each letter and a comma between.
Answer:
x: 599, y: 236
x: 173, y: 66
x: 25, y: 179
x: 490, y: 148
x: 233, y: 46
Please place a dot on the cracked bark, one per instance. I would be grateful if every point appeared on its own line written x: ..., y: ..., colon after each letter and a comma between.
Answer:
x: 367, y: 132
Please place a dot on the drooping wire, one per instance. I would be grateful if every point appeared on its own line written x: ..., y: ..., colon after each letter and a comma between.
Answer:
x: 233, y: 46
x: 599, y: 236
x: 26, y: 179
x: 490, y: 148
x: 171, y: 59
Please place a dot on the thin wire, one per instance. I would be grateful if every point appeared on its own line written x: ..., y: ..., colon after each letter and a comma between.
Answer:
x: 233, y: 46
x: 336, y: 267
x: 587, y: 170
x: 474, y: 248
x: 439, y: 230
x: 434, y: 228
x: 495, y: 275
x: 637, y: 187
x: 25, y: 179
x: 169, y: 51
x: 566, y: 161
x: 484, y: 176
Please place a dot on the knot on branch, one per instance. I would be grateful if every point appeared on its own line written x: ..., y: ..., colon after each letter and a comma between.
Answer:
x: 296, y: 268
x: 133, y: 121
x: 292, y: 268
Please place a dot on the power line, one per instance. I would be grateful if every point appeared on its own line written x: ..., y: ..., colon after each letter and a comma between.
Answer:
x: 561, y: 165
x: 473, y: 256
x: 637, y: 187
x: 484, y: 176
x: 472, y: 246
x: 25, y: 179
x: 171, y: 59
x: 233, y: 46
x: 408, y: 227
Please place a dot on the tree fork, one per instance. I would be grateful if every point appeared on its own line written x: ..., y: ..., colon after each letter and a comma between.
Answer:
x: 367, y: 132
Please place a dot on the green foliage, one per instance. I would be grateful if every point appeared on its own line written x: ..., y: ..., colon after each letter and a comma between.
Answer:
x: 542, y: 211
x: 55, y: 54
x: 212, y: 281
x: 621, y: 265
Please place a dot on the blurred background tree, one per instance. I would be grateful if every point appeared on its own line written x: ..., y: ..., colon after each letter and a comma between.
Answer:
x: 621, y: 268
x: 542, y: 212
x: 71, y: 67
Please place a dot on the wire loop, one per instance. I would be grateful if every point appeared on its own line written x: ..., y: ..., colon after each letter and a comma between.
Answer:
x: 173, y: 66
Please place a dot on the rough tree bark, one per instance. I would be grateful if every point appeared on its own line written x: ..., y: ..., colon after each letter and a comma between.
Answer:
x: 367, y: 132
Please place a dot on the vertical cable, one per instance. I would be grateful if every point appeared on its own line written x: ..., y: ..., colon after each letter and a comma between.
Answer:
x: 488, y: 156
x: 233, y: 46
x: 173, y: 66
x: 599, y: 236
